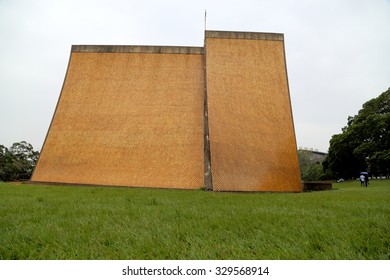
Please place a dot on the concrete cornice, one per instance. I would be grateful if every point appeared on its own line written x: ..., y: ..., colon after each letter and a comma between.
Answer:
x: 136, y: 49
x: 244, y: 35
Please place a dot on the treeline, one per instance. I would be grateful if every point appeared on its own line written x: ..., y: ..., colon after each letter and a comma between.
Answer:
x: 17, y: 162
x: 364, y: 144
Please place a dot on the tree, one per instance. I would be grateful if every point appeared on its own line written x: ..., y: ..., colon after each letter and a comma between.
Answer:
x: 5, y: 160
x: 311, y: 169
x: 17, y: 162
x: 364, y: 143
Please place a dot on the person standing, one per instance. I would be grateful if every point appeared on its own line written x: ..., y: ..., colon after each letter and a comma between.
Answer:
x: 362, y: 180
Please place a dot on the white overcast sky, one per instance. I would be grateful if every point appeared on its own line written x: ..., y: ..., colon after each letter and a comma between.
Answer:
x: 338, y: 52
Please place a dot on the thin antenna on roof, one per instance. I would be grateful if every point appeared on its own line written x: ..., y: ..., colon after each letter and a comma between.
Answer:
x: 205, y: 16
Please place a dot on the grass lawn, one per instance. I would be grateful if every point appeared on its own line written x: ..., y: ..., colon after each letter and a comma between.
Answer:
x: 54, y: 222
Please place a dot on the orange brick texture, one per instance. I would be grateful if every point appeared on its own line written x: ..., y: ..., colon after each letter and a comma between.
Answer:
x: 128, y: 119
x: 252, y: 140
x: 135, y: 116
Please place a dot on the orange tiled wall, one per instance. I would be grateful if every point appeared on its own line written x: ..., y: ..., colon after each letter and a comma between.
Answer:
x: 252, y: 137
x: 128, y: 119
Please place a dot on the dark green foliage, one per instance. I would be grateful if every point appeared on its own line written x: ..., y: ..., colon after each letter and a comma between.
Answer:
x: 311, y: 169
x: 17, y: 162
x: 364, y: 144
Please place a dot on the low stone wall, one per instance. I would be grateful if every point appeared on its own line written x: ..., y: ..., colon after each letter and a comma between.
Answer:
x: 317, y: 186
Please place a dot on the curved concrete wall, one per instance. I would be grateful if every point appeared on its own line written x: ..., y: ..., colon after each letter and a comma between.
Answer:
x: 127, y: 119
x: 252, y: 139
x: 158, y: 116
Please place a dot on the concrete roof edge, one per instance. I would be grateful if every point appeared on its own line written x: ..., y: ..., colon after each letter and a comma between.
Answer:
x: 244, y: 35
x: 136, y: 49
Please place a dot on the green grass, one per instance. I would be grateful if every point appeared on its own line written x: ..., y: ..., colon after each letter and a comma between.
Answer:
x: 54, y: 222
